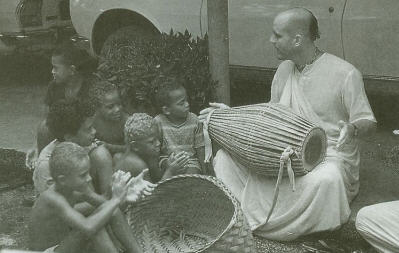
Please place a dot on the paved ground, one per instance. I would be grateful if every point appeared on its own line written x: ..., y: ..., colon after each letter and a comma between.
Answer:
x: 23, y: 82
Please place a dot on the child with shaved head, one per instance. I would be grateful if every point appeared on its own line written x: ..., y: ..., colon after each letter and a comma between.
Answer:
x: 56, y: 226
x: 143, y: 148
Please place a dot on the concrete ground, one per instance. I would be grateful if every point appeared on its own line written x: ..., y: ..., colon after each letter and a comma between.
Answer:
x: 23, y: 82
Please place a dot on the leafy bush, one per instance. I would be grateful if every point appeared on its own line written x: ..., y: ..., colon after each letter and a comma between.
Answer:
x: 134, y: 64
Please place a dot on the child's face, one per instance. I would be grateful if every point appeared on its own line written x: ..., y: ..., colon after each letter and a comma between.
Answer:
x: 149, y: 146
x: 111, y: 107
x: 61, y: 71
x: 79, y: 178
x: 178, y: 107
x: 85, y: 135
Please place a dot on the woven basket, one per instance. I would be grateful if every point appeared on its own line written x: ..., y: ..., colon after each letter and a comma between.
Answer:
x: 191, y: 213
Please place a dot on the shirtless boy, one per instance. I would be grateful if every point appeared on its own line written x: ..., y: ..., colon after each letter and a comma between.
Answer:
x: 57, y: 227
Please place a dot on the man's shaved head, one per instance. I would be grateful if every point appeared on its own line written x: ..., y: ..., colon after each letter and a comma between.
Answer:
x: 299, y: 21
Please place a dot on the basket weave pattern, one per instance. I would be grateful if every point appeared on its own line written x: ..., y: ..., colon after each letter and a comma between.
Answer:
x: 191, y: 213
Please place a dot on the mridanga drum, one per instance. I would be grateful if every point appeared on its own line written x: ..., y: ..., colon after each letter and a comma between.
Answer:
x: 266, y: 138
x: 256, y: 135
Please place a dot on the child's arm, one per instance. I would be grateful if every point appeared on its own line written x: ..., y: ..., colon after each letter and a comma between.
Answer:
x: 101, y: 216
x: 101, y: 162
x: 200, y: 152
x: 199, y: 145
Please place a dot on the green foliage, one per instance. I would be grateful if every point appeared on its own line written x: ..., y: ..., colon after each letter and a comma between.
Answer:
x: 134, y: 63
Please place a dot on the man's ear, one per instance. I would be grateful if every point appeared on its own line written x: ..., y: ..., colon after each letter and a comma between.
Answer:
x: 165, y: 110
x: 298, y: 40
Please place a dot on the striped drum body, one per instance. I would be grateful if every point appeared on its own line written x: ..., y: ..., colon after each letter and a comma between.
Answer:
x: 257, y: 135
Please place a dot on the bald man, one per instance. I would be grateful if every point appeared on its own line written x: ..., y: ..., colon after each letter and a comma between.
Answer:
x: 329, y: 92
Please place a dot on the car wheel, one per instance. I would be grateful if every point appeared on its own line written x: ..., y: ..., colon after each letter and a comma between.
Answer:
x: 127, y: 33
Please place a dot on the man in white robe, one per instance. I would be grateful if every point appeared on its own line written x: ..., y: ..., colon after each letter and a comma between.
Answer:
x: 329, y: 92
x: 379, y: 225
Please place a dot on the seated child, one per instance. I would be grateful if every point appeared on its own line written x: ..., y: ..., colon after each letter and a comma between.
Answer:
x: 57, y: 226
x: 142, y: 150
x: 71, y: 68
x: 179, y: 129
x: 109, y: 119
x: 73, y: 121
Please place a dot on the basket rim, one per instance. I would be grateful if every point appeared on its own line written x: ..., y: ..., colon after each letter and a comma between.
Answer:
x: 220, y: 185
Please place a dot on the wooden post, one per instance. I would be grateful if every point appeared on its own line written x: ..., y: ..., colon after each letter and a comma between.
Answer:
x: 218, y: 33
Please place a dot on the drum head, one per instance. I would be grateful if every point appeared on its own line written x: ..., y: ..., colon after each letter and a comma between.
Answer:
x: 314, y: 148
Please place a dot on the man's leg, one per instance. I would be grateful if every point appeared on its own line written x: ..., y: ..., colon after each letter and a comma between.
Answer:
x: 234, y: 177
x: 379, y: 225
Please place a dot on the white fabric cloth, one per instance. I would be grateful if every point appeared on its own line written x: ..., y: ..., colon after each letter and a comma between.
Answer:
x: 42, y: 179
x: 325, y: 92
x: 379, y: 225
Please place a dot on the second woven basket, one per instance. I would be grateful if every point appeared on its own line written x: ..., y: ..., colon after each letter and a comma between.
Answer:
x: 191, y: 213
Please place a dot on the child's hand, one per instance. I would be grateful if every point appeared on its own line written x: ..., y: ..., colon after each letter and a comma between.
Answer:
x: 120, y: 183
x: 30, y: 159
x: 176, y: 163
x: 139, y: 188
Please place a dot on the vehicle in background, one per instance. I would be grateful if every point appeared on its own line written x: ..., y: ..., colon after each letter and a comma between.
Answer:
x: 360, y: 31
x: 33, y: 25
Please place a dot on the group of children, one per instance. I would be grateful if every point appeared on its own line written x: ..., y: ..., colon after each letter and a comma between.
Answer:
x: 94, y: 159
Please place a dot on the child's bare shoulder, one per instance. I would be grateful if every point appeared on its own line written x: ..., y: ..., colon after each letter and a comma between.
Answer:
x: 100, y: 153
x: 132, y: 163
x: 53, y: 199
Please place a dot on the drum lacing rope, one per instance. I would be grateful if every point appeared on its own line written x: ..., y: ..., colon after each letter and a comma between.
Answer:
x: 285, y: 158
x: 207, y: 139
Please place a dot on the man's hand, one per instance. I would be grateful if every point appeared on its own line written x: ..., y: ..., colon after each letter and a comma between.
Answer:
x: 204, y: 113
x: 120, y: 184
x: 139, y: 187
x: 175, y: 164
x: 346, y: 135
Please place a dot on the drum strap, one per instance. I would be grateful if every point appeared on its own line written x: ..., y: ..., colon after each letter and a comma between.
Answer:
x: 285, y: 158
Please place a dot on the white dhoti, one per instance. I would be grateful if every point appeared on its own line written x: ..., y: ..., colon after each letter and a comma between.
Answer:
x: 320, y: 201
x: 379, y: 225
x: 327, y: 91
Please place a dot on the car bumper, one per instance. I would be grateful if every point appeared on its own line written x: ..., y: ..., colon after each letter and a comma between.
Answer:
x: 33, y: 40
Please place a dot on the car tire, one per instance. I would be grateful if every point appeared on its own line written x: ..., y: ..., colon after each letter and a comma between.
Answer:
x: 127, y: 33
